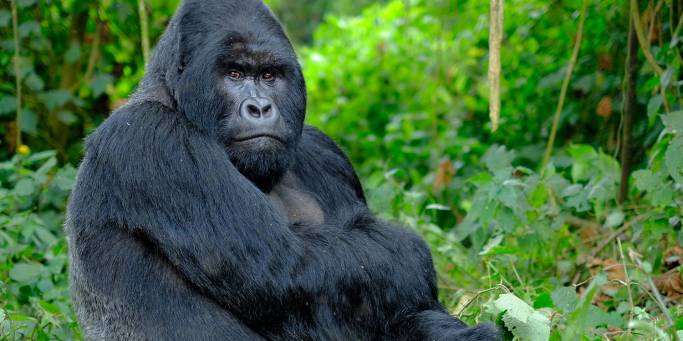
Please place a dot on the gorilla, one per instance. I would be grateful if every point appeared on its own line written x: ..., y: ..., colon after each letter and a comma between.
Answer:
x: 205, y: 209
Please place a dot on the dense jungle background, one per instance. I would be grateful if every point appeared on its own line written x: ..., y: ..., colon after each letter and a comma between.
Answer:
x: 562, y: 220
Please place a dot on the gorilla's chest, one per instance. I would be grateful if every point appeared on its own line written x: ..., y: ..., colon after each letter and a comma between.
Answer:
x: 292, y: 201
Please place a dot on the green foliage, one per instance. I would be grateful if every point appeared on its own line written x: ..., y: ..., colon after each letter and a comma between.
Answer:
x: 403, y: 89
x: 33, y: 256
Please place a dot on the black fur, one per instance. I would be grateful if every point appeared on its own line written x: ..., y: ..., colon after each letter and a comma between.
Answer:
x: 174, y: 235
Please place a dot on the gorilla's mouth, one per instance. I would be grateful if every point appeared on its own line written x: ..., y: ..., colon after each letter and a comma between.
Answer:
x: 269, y: 138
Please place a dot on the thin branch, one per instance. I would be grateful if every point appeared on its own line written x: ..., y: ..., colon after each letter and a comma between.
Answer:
x: 629, y: 114
x: 94, y: 52
x: 565, y: 86
x: 635, y: 257
x: 144, y: 28
x: 628, y: 284
x: 583, y: 223
x: 92, y: 59
x: 495, y: 42
x: 653, y: 21
x: 17, y: 69
x: 640, y: 33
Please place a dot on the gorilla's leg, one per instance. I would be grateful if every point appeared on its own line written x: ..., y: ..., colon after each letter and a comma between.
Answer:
x: 134, y: 294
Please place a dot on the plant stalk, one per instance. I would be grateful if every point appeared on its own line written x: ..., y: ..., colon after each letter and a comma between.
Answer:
x: 565, y: 87
x: 17, y: 71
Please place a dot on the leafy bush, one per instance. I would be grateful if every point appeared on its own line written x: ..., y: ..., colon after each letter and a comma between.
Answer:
x: 403, y: 89
x: 33, y: 251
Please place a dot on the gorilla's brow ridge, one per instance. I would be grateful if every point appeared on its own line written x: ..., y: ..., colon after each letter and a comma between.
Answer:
x: 249, y: 57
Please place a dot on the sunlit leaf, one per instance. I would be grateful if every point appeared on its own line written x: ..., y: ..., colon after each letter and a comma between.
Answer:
x: 520, y: 318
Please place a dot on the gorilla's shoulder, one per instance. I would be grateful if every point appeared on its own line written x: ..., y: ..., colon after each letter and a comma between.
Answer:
x: 134, y: 126
x: 314, y: 138
x: 319, y: 152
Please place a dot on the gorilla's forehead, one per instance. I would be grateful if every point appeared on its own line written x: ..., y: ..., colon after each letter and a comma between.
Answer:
x: 255, y: 48
x: 245, y: 25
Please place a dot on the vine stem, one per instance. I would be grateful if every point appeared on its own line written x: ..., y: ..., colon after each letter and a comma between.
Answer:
x: 495, y: 41
x: 144, y: 28
x: 642, y: 40
x: 17, y: 70
x: 565, y: 87
x: 629, y: 113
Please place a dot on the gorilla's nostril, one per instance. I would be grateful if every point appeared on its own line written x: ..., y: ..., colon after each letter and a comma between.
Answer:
x: 266, y: 109
x: 253, y: 110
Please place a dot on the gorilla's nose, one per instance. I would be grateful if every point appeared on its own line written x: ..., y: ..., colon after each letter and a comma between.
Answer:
x: 259, y: 110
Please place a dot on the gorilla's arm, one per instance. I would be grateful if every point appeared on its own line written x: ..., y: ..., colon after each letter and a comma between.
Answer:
x: 155, y: 175
x: 326, y: 171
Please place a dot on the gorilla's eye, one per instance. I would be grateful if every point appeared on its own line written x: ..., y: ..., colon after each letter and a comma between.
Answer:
x: 236, y: 75
x: 268, y: 76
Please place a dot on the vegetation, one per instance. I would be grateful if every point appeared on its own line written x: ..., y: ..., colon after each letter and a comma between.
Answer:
x: 582, y: 245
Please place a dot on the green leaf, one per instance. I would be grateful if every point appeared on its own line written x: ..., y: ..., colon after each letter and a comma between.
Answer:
x: 55, y: 99
x: 615, y: 219
x: 577, y: 323
x: 653, y: 106
x: 34, y: 82
x: 5, y: 18
x: 99, y: 84
x: 26, y: 3
x: 45, y: 168
x: 666, y: 77
x: 73, y: 53
x: 582, y: 152
x: 659, y: 190
x: 598, y: 317
x: 498, y: 158
x: 65, y: 178
x: 67, y: 117
x: 565, y: 299
x: 519, y: 318
x: 8, y: 105
x: 480, y: 180
x: 543, y: 301
x: 28, y: 28
x: 24, y: 187
x: 492, y: 243
x: 513, y: 197
x: 674, y: 159
x: 26, y: 273
x: 645, y: 180
x: 464, y: 230
x: 41, y: 156
x: 29, y: 122
x: 674, y: 121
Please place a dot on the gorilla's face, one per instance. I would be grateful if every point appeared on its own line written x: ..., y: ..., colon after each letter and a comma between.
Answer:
x: 262, y: 122
x: 239, y: 79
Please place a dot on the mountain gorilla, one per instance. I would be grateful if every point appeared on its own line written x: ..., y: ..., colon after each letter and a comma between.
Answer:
x: 206, y: 210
